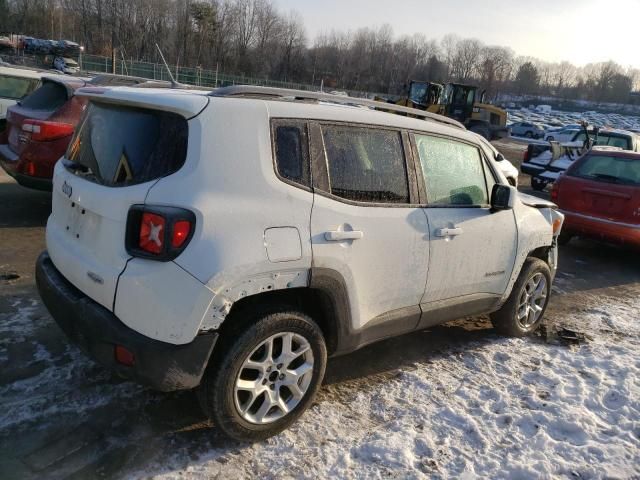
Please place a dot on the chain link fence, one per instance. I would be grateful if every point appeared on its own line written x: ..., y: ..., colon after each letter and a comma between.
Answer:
x: 157, y: 71
x: 191, y: 76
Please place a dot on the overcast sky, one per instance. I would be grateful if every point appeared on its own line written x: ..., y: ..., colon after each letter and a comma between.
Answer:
x: 581, y: 31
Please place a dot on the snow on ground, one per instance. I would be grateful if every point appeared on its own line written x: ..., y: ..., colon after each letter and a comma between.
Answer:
x: 475, y: 406
x: 504, y: 408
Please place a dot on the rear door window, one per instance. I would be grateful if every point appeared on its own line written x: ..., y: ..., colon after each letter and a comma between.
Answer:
x: 50, y: 96
x: 366, y: 164
x: 454, y: 172
x: 119, y: 146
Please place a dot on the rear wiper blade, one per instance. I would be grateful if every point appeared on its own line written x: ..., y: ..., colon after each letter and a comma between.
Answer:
x: 75, y: 166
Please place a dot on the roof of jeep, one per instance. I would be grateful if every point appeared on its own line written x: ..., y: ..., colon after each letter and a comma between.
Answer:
x: 191, y: 102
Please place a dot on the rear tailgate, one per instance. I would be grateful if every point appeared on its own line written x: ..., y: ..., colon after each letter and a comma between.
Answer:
x: 116, y: 155
x: 40, y: 104
x: 16, y: 115
x: 85, y: 232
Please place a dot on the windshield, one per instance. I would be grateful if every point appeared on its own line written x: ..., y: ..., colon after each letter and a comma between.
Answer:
x: 119, y: 146
x: 418, y: 93
x: 15, y: 87
x: 609, y: 169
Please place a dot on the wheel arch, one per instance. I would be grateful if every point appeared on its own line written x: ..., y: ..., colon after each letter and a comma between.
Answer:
x: 325, y: 299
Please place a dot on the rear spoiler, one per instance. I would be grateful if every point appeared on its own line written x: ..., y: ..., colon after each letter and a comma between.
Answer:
x: 183, y: 103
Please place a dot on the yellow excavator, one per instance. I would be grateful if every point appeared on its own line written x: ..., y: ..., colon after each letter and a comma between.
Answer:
x: 460, y: 102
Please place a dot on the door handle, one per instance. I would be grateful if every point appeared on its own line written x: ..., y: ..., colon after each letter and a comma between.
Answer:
x: 338, y: 236
x: 449, y: 232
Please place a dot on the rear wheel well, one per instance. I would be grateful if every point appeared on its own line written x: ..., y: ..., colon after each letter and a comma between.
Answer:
x: 313, y: 302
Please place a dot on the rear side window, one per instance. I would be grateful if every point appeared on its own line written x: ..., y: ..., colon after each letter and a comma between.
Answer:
x: 366, y: 164
x: 119, y: 146
x: 608, y: 169
x: 16, y: 88
x: 291, y: 151
x: 50, y: 96
x: 454, y: 172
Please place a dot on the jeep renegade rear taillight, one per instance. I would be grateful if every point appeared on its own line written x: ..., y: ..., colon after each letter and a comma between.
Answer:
x: 158, y: 233
x: 43, y: 131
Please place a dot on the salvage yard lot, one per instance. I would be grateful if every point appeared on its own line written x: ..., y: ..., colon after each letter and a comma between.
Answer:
x: 455, y: 400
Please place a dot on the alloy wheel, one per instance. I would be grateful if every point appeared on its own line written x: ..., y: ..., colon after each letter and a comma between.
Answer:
x: 274, y: 378
x: 532, y: 301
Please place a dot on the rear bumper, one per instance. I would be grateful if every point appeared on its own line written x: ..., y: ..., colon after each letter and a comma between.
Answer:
x: 10, y: 162
x: 601, y: 229
x: 162, y: 366
x: 532, y: 169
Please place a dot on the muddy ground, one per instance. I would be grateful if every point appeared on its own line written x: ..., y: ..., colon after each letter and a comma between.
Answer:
x: 62, y: 416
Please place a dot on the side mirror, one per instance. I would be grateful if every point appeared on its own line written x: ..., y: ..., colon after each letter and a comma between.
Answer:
x: 502, y: 197
x: 499, y: 157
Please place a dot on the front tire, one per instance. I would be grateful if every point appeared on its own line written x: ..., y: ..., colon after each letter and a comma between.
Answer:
x: 522, y: 313
x: 267, y: 377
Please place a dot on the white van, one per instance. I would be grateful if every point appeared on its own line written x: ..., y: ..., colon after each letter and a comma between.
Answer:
x: 233, y: 240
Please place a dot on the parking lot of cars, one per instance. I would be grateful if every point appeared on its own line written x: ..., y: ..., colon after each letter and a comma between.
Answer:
x: 551, y: 120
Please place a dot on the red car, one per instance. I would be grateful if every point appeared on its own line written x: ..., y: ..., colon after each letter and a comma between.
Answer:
x: 600, y: 197
x: 40, y: 126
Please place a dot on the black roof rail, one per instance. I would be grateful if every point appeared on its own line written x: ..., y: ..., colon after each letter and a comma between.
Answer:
x: 284, y: 93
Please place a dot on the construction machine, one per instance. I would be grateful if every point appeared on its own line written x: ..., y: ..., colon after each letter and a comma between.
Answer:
x: 460, y: 102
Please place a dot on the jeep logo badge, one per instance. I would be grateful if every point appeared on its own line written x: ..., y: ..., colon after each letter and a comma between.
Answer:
x: 66, y: 189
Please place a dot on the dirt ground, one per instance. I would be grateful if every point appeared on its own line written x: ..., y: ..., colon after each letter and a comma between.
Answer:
x: 62, y: 416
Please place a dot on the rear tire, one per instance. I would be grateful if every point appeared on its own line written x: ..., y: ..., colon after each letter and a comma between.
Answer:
x: 254, y: 388
x: 523, y: 311
x: 537, y: 184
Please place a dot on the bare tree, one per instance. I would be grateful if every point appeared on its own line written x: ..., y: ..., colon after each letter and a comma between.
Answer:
x: 252, y: 37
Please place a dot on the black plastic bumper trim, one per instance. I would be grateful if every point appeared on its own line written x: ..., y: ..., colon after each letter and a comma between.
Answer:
x: 160, y: 365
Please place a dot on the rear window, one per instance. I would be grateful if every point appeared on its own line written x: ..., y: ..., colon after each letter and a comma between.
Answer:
x: 50, y: 96
x: 118, y: 146
x: 608, y: 169
x: 16, y: 88
x: 606, y: 139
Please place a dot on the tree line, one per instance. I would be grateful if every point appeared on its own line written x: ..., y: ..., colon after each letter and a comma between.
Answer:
x: 256, y: 39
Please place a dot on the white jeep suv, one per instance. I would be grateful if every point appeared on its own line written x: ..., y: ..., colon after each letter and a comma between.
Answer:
x: 233, y: 240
